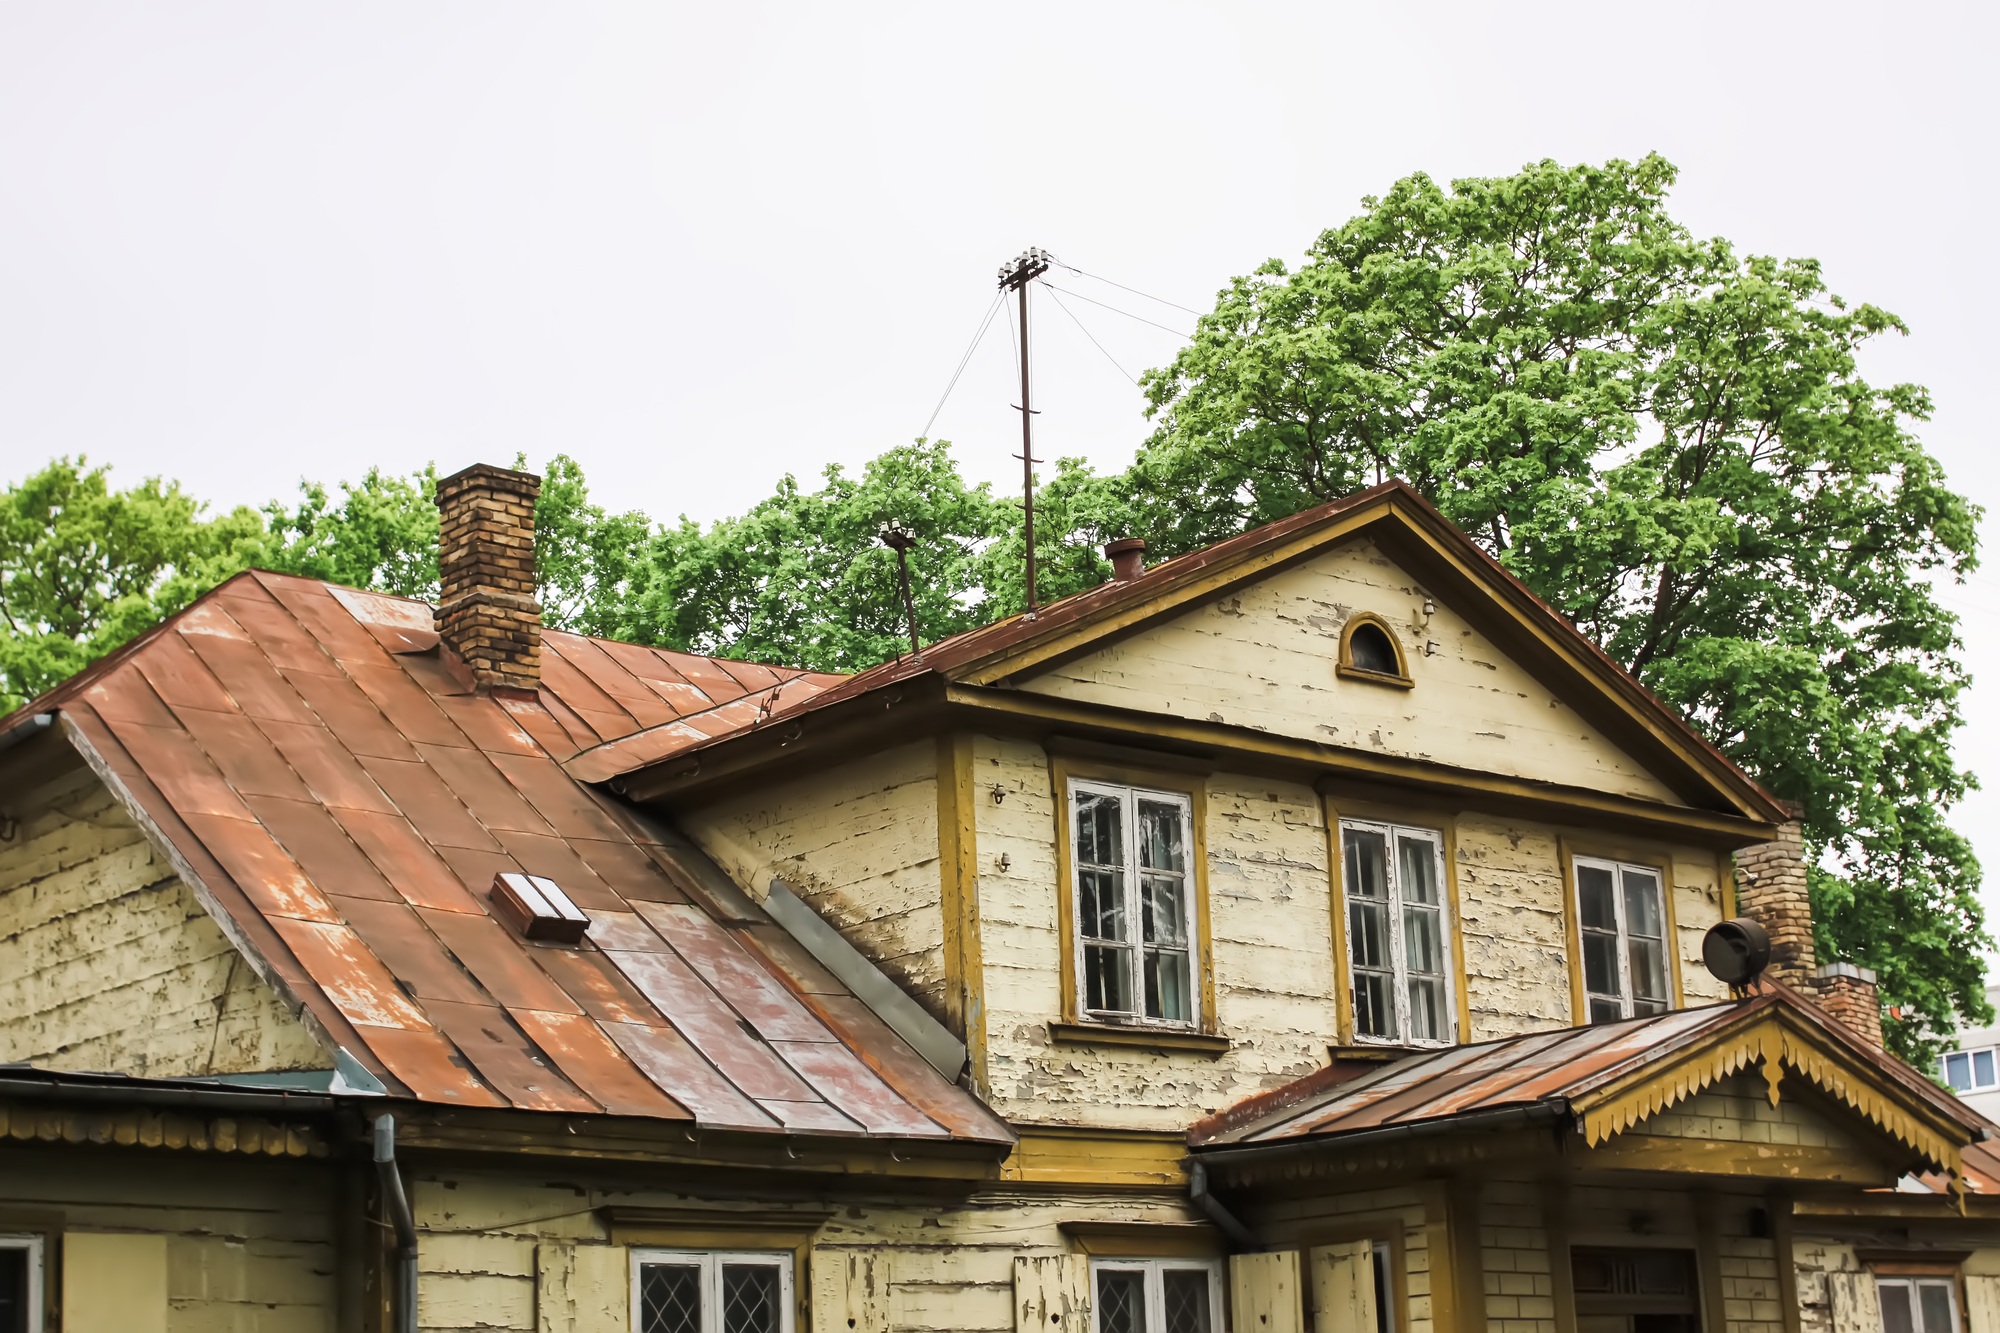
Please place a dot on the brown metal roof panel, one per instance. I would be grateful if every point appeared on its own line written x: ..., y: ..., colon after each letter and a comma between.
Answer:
x: 422, y: 796
x: 250, y: 678
x: 582, y: 694
x: 632, y: 694
x: 1374, y: 1098
x: 624, y: 932
x: 505, y: 1060
x: 476, y: 871
x: 750, y: 675
x: 534, y: 718
x: 244, y: 754
x: 480, y: 787
x: 1618, y: 1044
x: 428, y: 1065
x: 553, y: 858
x: 495, y: 725
x: 581, y: 734
x: 330, y: 772
x: 596, y: 1065
x: 750, y: 989
x: 411, y: 952
x: 399, y: 624
x: 329, y: 623
x: 556, y: 796
x: 711, y: 1027
x: 122, y: 695
x: 179, y: 677
x: 412, y: 867
x: 409, y: 708
x: 678, y: 1069
x: 907, y: 1072
x: 627, y: 869
x: 706, y: 674
x: 787, y: 958
x: 589, y: 978
x: 281, y: 638
x: 268, y: 876
x: 322, y: 848
x: 170, y: 757
x: 352, y: 716
x: 854, y: 1089
x: 502, y: 962
x: 815, y: 1115
x: 620, y: 755
x: 350, y: 974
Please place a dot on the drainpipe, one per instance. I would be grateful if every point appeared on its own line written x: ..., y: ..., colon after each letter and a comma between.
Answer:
x: 397, y: 1205
x: 1232, y: 1226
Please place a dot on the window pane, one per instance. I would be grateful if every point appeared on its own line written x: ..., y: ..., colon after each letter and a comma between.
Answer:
x: 1642, y: 904
x: 1427, y: 1021
x: 1160, y: 836
x: 1958, y: 1071
x: 1107, y: 977
x: 1896, y: 1313
x: 1100, y: 830
x: 1648, y: 962
x: 14, y: 1291
x: 1385, y: 1298
x: 750, y: 1298
x: 1600, y: 963
x: 1103, y: 904
x: 1423, y: 940
x: 1604, y: 1011
x: 669, y: 1298
x: 1982, y: 1069
x: 1593, y: 895
x: 1368, y: 933
x: 1367, y: 864
x: 1121, y: 1301
x: 1167, y: 985
x: 1165, y: 917
x: 1186, y: 1300
x: 1374, y: 1004
x: 1934, y: 1301
x: 1416, y: 870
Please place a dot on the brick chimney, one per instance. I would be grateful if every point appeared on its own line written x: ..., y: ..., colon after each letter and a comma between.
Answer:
x: 487, y: 612
x: 1772, y: 888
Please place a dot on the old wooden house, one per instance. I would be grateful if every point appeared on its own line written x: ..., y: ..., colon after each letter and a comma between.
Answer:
x: 1303, y: 933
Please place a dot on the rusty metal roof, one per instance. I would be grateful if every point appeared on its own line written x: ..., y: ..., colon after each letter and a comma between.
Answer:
x: 323, y: 769
x: 1560, y: 1068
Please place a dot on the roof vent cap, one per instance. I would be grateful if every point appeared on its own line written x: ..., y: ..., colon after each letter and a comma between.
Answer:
x: 1128, y: 558
x: 536, y: 908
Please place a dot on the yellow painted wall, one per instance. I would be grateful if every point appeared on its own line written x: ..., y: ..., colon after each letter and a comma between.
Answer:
x: 858, y: 842
x: 1264, y: 658
x: 108, y: 963
x: 1737, y: 1110
x: 182, y: 1243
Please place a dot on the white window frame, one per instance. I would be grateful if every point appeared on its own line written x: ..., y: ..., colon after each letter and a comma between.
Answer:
x: 1910, y: 1284
x: 1627, y: 1000
x: 1156, y: 1291
x: 1398, y: 959
x: 1971, y: 1054
x: 1129, y: 798
x: 711, y: 1264
x: 37, y: 1248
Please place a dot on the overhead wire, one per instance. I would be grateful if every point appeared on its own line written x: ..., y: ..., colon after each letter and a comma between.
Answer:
x: 1123, y: 288
x: 1184, y: 337
x: 971, y: 347
x: 1088, y: 334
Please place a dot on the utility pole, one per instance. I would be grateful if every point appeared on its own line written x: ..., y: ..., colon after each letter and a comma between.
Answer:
x: 900, y: 542
x: 1015, y: 277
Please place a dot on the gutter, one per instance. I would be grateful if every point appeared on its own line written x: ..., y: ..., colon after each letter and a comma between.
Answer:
x: 110, y: 1088
x: 397, y: 1204
x: 1545, y: 1112
x: 1230, y: 1225
x: 25, y: 730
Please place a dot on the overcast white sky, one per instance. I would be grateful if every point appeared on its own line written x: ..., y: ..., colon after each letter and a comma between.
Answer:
x: 700, y: 246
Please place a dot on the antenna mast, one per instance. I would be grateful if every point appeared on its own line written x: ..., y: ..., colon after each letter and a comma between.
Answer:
x: 1015, y: 277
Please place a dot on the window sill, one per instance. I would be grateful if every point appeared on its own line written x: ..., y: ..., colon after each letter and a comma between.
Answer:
x: 1367, y: 677
x: 1166, y: 1040
x: 1381, y: 1054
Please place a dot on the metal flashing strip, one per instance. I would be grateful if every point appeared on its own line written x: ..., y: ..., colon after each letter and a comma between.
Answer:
x: 928, y: 1037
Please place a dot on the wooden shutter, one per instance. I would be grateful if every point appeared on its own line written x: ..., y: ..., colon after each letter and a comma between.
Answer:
x: 1852, y: 1301
x: 582, y: 1288
x: 1343, y: 1287
x: 850, y: 1291
x: 1051, y: 1294
x: 1982, y: 1304
x: 114, y: 1282
x: 1264, y: 1293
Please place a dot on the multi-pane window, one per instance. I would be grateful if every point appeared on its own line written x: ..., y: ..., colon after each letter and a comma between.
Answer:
x: 1155, y: 1296
x: 1396, y: 953
x: 1917, y: 1304
x: 1135, y: 947
x: 1622, y: 922
x: 1969, y: 1071
x: 711, y: 1292
x: 20, y: 1284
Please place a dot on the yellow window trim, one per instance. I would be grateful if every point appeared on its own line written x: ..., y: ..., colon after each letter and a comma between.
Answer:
x: 1344, y: 667
x: 713, y: 1229
x: 1145, y: 1240
x: 1647, y: 856
x: 1417, y: 813
x: 958, y: 891
x: 1062, y: 769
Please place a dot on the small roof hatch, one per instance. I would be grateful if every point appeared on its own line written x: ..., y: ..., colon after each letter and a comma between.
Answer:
x: 537, y: 908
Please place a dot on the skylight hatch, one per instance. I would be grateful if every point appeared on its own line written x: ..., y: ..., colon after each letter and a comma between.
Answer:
x: 538, y: 909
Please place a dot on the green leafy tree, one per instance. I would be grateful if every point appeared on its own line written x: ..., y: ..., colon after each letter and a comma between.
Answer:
x: 585, y: 558
x: 1671, y: 443
x: 382, y: 533
x: 84, y: 567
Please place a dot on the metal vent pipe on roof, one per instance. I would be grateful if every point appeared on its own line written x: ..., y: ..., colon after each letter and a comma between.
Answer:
x: 1128, y: 558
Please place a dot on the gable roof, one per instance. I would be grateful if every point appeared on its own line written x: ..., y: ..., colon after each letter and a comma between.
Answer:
x: 1392, y: 514
x: 1605, y: 1078
x: 322, y: 773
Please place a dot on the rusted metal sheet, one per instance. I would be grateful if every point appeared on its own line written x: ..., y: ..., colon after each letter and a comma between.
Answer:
x: 322, y: 766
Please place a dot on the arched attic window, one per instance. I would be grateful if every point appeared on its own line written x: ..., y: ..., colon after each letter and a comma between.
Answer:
x: 1369, y: 652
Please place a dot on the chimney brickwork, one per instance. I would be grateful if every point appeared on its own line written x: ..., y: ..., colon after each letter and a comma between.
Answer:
x: 487, y: 612
x: 1848, y: 993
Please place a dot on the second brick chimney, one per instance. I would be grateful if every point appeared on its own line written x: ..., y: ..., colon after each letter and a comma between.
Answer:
x: 487, y: 612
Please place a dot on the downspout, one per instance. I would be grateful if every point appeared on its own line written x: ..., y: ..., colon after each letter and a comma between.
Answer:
x: 1232, y: 1226
x: 397, y: 1205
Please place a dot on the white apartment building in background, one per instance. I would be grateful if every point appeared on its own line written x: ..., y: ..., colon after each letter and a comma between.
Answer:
x: 1973, y: 1069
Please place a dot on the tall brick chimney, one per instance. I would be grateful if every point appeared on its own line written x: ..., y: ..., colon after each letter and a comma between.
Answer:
x: 487, y: 612
x: 1772, y: 888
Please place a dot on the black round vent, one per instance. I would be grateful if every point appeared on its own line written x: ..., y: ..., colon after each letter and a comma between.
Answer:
x: 1736, y: 951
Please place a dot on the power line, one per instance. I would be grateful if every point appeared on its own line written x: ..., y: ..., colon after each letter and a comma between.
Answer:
x: 1184, y: 337
x: 1134, y: 290
x: 1088, y: 334
x: 964, y: 361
